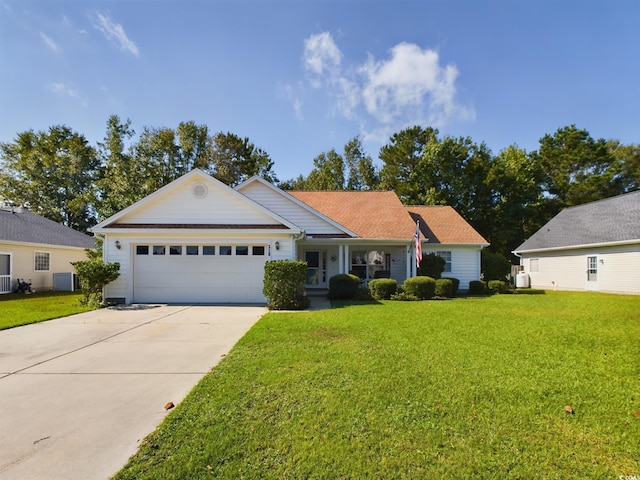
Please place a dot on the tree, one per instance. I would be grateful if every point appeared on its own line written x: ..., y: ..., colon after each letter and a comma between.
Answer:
x: 518, y: 204
x: 402, y: 169
x: 233, y: 160
x: 628, y: 159
x: 328, y: 172
x: 577, y: 169
x: 52, y: 174
x: 362, y: 174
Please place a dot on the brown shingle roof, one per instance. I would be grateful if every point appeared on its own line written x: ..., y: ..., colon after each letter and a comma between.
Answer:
x: 368, y: 214
x: 442, y: 224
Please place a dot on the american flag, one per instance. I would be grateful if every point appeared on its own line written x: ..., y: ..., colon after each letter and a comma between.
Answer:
x: 416, y: 237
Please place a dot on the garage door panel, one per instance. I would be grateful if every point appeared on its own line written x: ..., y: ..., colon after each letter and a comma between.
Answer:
x: 198, y: 279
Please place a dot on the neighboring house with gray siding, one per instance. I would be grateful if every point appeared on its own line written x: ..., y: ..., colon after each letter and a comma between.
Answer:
x: 595, y: 246
x: 34, y: 248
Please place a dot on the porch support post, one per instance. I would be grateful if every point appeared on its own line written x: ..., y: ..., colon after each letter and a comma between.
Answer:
x: 341, y: 259
x: 346, y: 259
x: 410, y: 262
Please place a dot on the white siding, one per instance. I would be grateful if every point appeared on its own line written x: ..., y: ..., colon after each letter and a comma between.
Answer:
x: 288, y: 209
x: 618, y: 269
x: 465, y: 262
x: 180, y: 205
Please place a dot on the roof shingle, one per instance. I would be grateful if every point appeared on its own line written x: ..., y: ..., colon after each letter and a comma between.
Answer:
x: 442, y: 224
x: 615, y: 219
x: 21, y: 225
x: 368, y: 214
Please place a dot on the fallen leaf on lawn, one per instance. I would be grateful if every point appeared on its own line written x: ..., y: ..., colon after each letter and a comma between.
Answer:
x: 637, y: 414
x: 568, y: 409
x: 169, y: 406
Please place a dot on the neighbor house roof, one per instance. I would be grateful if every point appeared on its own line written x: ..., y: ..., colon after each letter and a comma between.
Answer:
x: 371, y: 215
x: 442, y: 224
x: 612, y: 220
x: 19, y: 225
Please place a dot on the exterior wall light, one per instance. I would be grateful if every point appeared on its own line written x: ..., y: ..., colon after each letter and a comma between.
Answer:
x: 277, y: 245
x: 118, y: 244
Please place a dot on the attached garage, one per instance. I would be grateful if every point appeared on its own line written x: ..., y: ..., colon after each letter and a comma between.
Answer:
x: 197, y: 273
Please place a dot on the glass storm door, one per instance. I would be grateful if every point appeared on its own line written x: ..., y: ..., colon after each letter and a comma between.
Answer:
x: 5, y: 273
x: 592, y: 273
x: 315, y: 268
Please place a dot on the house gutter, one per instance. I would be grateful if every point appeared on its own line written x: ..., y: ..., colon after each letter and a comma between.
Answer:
x: 578, y: 247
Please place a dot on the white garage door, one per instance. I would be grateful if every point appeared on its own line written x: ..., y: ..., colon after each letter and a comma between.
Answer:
x: 198, y: 273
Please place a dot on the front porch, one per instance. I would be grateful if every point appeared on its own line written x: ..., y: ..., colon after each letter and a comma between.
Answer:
x: 366, y: 260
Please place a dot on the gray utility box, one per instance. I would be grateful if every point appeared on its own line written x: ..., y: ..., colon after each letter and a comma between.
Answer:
x: 65, y: 282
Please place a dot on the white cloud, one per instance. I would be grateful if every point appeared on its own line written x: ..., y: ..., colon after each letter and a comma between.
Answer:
x: 321, y: 57
x: 115, y: 33
x: 64, y: 90
x: 50, y: 43
x: 407, y: 88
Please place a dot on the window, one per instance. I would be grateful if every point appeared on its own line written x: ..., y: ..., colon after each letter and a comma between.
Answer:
x: 159, y: 249
x: 175, y: 250
x: 142, y: 250
x: 242, y: 250
x: 225, y: 250
x: 534, y: 265
x: 258, y: 250
x: 208, y: 250
x: 192, y: 250
x: 447, y: 259
x: 41, y: 261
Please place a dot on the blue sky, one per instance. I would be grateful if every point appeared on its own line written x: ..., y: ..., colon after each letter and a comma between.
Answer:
x: 301, y: 77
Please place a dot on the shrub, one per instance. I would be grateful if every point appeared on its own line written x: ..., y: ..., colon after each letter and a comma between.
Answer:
x: 383, y: 288
x: 94, y: 275
x: 494, y: 266
x: 444, y: 287
x: 431, y: 265
x: 404, y: 297
x: 343, y: 286
x: 497, y: 286
x: 456, y: 284
x: 422, y: 287
x: 477, y: 287
x: 284, y: 284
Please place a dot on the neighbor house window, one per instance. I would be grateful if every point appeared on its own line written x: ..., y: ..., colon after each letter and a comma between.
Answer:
x: 242, y: 250
x: 142, y: 250
x: 208, y: 250
x: 225, y: 250
x: 192, y: 250
x: 159, y: 249
x: 175, y: 250
x: 258, y: 250
x: 534, y: 265
x: 447, y: 259
x: 41, y: 261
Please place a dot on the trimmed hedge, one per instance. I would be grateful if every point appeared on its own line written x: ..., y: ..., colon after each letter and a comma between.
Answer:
x: 444, y: 288
x: 497, y: 286
x: 477, y: 287
x: 383, y: 288
x: 422, y: 287
x: 343, y: 286
x: 284, y: 284
x: 456, y: 284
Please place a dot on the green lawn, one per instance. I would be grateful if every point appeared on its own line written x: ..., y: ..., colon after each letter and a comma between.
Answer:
x: 22, y: 309
x: 469, y: 388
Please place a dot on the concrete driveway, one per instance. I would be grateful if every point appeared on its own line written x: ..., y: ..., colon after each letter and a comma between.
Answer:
x: 78, y: 394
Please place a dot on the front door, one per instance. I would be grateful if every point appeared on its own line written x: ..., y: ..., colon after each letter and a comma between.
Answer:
x: 316, y: 269
x: 592, y: 273
x: 5, y: 273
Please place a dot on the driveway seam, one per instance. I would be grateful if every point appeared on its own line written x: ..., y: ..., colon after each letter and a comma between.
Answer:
x: 92, y: 344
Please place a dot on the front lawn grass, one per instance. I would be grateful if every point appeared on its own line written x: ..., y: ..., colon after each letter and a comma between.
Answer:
x: 21, y: 309
x: 465, y: 388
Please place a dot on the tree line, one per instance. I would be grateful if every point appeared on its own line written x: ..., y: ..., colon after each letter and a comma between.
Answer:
x: 506, y: 197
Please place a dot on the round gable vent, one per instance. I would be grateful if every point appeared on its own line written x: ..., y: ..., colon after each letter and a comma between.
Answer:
x: 199, y: 190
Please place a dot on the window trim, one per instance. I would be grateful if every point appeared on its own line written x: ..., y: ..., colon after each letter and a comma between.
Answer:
x: 536, y: 263
x: 35, y: 263
x: 448, y: 257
